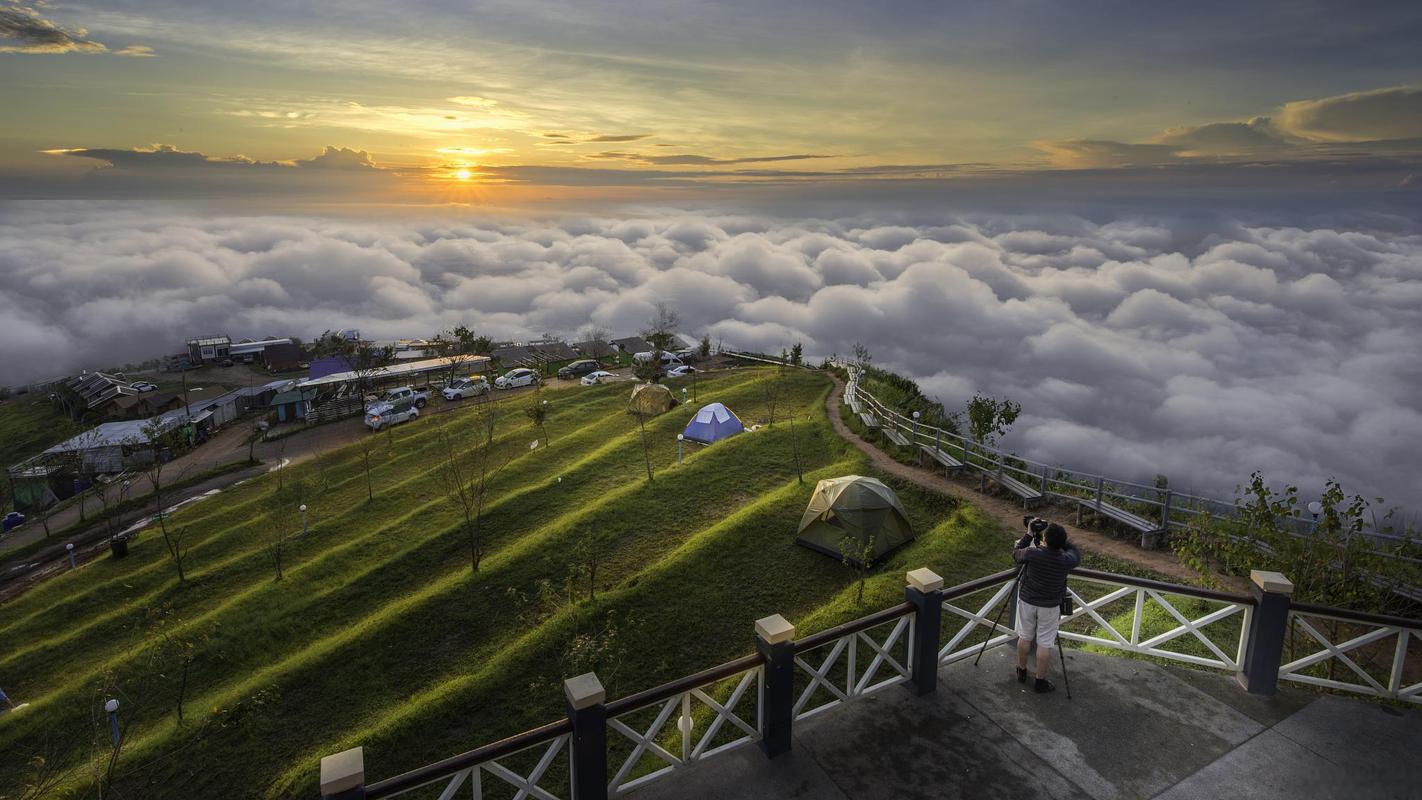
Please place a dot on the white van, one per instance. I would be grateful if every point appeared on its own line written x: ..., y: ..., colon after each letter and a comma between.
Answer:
x: 668, y: 359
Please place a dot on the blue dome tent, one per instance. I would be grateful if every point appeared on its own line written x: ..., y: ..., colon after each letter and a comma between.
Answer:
x: 712, y: 424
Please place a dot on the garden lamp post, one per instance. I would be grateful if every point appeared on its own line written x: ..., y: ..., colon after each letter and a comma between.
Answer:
x: 111, y: 706
x: 69, y: 549
x: 915, y: 427
x: 680, y: 437
x: 1315, y: 508
x: 303, y: 519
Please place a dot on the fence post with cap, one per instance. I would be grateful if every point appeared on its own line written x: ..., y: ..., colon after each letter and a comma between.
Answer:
x: 343, y: 775
x: 588, y: 744
x: 1264, y: 646
x: 775, y: 640
x: 925, y: 591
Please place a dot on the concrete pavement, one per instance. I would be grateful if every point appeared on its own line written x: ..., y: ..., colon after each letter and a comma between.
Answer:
x: 1134, y: 729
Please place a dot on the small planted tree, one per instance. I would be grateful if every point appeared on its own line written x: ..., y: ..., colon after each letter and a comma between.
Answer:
x: 771, y: 393
x: 646, y: 449
x: 705, y: 347
x: 365, y: 445
x: 797, y: 354
x: 989, y: 418
x: 537, y: 412
x: 364, y: 359
x: 859, y: 557
x: 466, y: 471
x: 282, y: 509
x: 159, y: 442
x: 172, y: 650
x: 587, y: 555
x: 863, y: 359
x: 649, y: 371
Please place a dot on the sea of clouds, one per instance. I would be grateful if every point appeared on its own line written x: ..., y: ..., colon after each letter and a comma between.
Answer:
x: 1134, y: 348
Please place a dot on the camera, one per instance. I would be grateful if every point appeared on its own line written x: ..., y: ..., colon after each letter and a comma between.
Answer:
x: 1036, y: 525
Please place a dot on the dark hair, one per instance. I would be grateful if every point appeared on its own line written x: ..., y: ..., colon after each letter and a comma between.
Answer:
x: 1056, y: 536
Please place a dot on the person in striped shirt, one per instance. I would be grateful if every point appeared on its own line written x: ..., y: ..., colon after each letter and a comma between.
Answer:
x: 1046, y: 560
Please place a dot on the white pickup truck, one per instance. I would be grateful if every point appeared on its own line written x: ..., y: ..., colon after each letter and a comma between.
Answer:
x: 406, y: 394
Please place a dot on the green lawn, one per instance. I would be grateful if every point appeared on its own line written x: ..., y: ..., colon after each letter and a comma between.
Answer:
x: 28, y: 424
x: 379, y: 634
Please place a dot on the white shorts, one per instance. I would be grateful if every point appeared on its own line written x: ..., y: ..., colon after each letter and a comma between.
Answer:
x: 1036, y: 622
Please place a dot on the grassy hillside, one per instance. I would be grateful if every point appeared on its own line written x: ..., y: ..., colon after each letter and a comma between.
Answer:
x: 380, y: 634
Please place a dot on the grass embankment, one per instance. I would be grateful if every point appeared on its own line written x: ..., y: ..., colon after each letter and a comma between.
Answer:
x: 380, y: 634
x: 28, y: 424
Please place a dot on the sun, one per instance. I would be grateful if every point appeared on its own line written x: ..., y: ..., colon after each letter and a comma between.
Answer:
x: 463, y: 174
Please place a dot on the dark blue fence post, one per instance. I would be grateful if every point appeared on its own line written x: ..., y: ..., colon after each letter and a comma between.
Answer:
x: 925, y: 591
x: 588, y: 757
x: 775, y: 639
x: 1264, y: 647
x: 343, y: 775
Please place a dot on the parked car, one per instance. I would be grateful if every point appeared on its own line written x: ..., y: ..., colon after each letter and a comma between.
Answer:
x: 144, y: 386
x: 403, y: 394
x: 578, y: 369
x: 515, y: 378
x: 462, y: 388
x: 383, y: 415
x: 601, y: 376
x: 687, y: 356
x: 681, y: 372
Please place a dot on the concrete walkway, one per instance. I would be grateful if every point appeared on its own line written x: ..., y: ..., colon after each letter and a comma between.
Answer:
x: 1133, y: 730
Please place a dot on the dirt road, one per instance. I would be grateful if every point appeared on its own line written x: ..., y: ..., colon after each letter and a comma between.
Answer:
x: 1008, y: 512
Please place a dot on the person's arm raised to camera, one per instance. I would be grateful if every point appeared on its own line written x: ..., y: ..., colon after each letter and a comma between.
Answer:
x: 1019, y: 552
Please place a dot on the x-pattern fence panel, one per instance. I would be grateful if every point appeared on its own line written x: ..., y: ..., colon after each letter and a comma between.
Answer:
x: 518, y: 775
x: 659, y: 749
x: 839, y: 674
x: 1135, y: 619
x: 1353, y: 656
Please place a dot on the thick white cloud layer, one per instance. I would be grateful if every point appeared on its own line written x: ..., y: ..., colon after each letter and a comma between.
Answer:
x: 1290, y: 350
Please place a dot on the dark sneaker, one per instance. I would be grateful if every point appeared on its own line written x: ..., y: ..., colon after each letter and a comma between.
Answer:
x: 1043, y: 686
x: 1021, y: 675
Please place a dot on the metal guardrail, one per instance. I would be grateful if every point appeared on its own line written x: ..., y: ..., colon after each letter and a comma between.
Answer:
x: 1112, y: 611
x: 1173, y: 510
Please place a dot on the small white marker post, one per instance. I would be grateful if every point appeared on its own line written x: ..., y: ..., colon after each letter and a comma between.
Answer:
x: 303, y: 519
x: 69, y: 549
x: 112, y: 707
x: 679, y: 438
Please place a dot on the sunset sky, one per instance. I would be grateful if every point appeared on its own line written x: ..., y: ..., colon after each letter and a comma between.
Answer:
x: 495, y: 102
x: 1186, y: 236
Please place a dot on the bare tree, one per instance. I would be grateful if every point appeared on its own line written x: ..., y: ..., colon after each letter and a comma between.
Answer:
x: 770, y: 394
x: 537, y: 412
x: 157, y: 440
x: 364, y: 359
x: 366, y: 444
x: 795, y: 449
x: 596, y: 337
x: 862, y: 357
x: 661, y: 329
x: 467, y: 483
x: 646, y: 451
x: 587, y: 556
x: 281, y: 507
x: 172, y: 651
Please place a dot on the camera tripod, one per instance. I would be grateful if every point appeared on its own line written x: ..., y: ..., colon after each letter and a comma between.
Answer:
x: 996, y: 623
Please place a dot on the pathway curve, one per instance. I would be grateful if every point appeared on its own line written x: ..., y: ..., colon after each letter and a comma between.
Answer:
x: 1009, y: 513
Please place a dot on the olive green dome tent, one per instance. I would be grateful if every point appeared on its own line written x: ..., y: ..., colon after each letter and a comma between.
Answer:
x: 650, y: 399
x: 858, y: 507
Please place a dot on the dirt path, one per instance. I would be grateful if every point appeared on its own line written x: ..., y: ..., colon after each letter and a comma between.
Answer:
x: 1008, y: 512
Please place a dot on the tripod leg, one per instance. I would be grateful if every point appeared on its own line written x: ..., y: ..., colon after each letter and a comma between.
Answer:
x: 995, y: 623
x: 1066, y: 682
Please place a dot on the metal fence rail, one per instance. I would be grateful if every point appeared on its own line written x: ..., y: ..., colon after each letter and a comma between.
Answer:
x: 1161, y: 509
x: 656, y: 732
x: 683, y: 700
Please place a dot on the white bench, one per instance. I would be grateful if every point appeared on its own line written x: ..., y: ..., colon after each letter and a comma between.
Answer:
x: 869, y: 421
x: 893, y: 435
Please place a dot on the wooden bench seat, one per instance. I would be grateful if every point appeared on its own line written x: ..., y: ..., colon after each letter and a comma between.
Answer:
x: 1030, y: 495
x: 1151, y: 532
x: 897, y: 438
x: 869, y: 421
x: 950, y: 464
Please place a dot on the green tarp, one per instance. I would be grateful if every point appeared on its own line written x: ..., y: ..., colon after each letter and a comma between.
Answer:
x: 860, y: 508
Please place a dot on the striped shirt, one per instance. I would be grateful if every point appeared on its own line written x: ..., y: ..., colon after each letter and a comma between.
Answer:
x: 1044, y: 579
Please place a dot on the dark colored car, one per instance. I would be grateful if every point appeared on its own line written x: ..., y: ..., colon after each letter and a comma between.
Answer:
x: 577, y: 369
